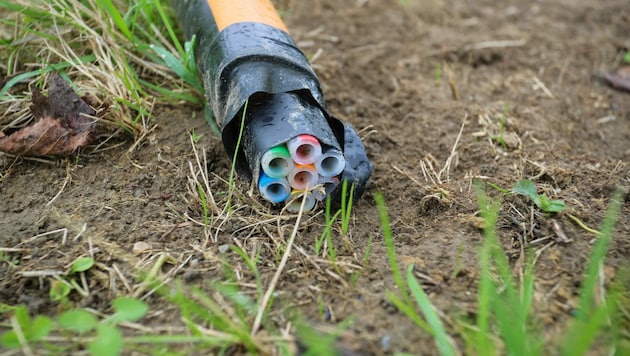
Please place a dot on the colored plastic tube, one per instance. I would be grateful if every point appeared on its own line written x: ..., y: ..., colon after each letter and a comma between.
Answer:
x: 326, y: 185
x: 277, y: 162
x: 276, y: 190
x: 330, y: 163
x: 303, y: 177
x: 294, y: 202
x: 304, y: 149
x: 254, y: 74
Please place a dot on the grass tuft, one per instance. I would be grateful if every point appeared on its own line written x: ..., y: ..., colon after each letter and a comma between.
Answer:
x: 504, y: 320
x: 114, y: 51
x: 595, y: 311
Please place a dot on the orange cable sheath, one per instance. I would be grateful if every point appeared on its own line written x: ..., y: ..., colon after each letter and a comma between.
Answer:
x: 229, y: 12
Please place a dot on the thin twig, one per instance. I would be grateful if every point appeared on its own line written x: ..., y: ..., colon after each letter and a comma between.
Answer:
x: 540, y: 85
x: 63, y: 239
x: 494, y: 44
x: 449, y: 160
x: 63, y: 186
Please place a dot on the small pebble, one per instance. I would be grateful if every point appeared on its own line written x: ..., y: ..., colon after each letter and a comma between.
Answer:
x: 140, y: 247
x: 386, y: 342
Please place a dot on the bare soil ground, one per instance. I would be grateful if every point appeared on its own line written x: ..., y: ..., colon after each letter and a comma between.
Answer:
x: 410, y: 77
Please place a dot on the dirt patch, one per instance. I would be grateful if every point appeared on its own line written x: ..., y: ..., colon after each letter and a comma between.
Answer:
x: 513, y: 85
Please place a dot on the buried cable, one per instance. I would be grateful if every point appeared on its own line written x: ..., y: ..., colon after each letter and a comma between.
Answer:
x: 249, y: 56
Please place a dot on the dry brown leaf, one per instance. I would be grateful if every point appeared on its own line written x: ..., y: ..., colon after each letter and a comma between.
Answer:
x: 64, y: 123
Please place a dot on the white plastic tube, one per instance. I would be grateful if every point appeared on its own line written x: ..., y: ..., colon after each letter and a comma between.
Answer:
x: 275, y: 190
x: 303, y: 177
x: 304, y: 149
x: 277, y: 162
x: 294, y: 202
x: 331, y: 163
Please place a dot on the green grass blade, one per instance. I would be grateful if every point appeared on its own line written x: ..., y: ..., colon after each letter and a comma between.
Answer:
x: 346, y: 203
x: 115, y: 15
x: 402, y: 303
x: 432, y: 318
x: 489, y: 213
x: 510, y: 307
x: 207, y: 113
x: 189, y: 54
x: 16, y: 79
x: 175, y: 64
x: 50, y: 68
x: 251, y: 264
x: 318, y: 343
x: 409, y: 311
x: 169, y: 28
x: 327, y: 233
x: 582, y: 333
x: 33, y: 13
x: 170, y: 95
x: 389, y: 246
x: 598, y: 254
x: 205, y: 341
x: 236, y: 150
x: 591, y: 318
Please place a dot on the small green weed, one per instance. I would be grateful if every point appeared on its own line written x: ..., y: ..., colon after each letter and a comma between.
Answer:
x: 528, y: 188
x: 437, y: 74
x: 317, y: 343
x: 204, y: 204
x: 500, y: 137
x: 82, y: 328
x: 61, y: 286
x: 8, y: 259
x: 195, y: 136
x: 25, y: 329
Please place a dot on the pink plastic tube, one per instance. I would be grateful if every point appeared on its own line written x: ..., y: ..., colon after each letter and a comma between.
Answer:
x: 304, y: 149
